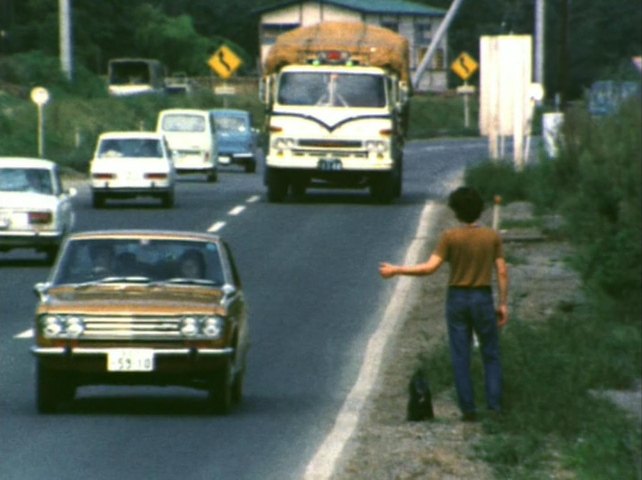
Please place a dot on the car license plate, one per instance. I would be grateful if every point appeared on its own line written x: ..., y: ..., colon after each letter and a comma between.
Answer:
x: 130, y: 360
x: 224, y: 160
x: 330, y: 165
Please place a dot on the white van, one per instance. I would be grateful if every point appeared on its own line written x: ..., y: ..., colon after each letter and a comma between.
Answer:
x: 191, y: 136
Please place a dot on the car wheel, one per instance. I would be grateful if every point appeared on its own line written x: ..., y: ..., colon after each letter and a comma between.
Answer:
x: 237, y: 387
x: 52, y: 390
x: 250, y: 166
x: 277, y: 186
x: 51, y: 253
x: 167, y: 200
x: 98, y: 200
x: 212, y: 176
x: 220, y: 394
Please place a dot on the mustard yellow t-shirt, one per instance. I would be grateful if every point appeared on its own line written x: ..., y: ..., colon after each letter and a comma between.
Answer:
x: 471, y: 251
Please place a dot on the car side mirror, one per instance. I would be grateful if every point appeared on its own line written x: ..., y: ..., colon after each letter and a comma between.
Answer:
x: 40, y: 289
x: 229, y: 291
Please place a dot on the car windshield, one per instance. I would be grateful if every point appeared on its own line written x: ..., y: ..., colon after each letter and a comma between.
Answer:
x: 332, y: 89
x: 231, y: 124
x: 130, y: 147
x: 183, y: 123
x: 36, y: 180
x: 135, y: 260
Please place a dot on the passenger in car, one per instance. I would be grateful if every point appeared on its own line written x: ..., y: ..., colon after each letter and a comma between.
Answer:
x: 102, y: 259
x: 192, y: 264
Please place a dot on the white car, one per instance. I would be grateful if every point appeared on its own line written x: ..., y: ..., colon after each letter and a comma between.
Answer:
x: 132, y: 164
x: 35, y: 211
x: 191, y: 135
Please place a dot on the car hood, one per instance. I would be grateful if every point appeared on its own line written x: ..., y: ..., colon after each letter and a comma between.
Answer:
x: 26, y: 200
x: 133, y: 300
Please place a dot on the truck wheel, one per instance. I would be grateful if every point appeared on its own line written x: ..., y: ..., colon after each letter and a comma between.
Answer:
x: 220, y: 394
x: 212, y: 176
x: 277, y: 186
x: 382, y: 187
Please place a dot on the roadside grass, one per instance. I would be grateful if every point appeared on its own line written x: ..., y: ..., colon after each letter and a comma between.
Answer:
x: 555, y: 420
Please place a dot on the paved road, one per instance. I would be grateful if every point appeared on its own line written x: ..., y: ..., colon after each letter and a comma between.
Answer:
x: 310, y: 272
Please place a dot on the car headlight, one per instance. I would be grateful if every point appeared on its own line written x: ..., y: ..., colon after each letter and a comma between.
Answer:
x: 376, y: 146
x: 189, y: 327
x: 202, y: 327
x: 213, y: 327
x: 51, y: 327
x: 62, y: 326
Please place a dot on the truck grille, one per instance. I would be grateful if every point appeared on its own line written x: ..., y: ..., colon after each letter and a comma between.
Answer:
x: 320, y: 143
x: 138, y: 328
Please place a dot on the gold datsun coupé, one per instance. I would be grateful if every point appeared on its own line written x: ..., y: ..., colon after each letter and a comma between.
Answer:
x: 141, y: 307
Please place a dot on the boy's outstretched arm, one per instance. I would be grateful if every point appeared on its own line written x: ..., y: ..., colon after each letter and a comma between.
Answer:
x: 387, y: 270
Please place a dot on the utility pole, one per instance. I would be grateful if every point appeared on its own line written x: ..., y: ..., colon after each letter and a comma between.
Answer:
x: 64, y: 25
x: 443, y: 28
x: 540, y: 13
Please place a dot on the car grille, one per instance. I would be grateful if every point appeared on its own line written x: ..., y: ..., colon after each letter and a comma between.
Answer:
x: 138, y: 328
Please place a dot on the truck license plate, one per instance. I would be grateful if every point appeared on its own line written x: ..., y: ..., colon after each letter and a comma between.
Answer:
x: 130, y: 360
x: 330, y: 165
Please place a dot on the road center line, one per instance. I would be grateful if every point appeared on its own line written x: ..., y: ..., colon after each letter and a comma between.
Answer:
x: 323, y: 463
x: 236, y: 210
x: 25, y: 334
x: 216, y: 227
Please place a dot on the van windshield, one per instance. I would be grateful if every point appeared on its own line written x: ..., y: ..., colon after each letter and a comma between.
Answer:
x: 183, y: 123
x: 332, y: 89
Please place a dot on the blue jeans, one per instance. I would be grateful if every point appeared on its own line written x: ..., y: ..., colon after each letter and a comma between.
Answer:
x: 468, y: 310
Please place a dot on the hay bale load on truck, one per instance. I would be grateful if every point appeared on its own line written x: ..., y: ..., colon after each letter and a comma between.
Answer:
x: 337, y: 101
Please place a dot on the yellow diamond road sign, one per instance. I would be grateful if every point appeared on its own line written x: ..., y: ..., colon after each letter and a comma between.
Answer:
x: 224, y: 62
x: 464, y: 66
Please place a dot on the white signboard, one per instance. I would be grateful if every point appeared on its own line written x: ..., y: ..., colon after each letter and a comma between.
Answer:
x: 505, y: 89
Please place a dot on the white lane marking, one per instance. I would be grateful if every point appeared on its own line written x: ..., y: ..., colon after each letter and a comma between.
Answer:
x: 253, y: 199
x: 323, y: 463
x: 236, y: 210
x: 25, y: 334
x: 216, y: 227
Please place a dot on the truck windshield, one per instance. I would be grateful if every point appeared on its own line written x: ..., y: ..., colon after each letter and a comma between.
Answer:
x: 332, y: 89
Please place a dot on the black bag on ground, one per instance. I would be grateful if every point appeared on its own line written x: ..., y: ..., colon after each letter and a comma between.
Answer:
x: 420, y: 399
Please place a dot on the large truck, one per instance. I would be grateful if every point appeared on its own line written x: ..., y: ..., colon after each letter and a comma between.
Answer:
x: 337, y: 109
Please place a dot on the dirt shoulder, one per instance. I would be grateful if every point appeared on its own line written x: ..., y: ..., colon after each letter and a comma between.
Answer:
x: 385, y: 445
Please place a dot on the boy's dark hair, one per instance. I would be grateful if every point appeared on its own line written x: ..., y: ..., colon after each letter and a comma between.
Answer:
x: 466, y: 203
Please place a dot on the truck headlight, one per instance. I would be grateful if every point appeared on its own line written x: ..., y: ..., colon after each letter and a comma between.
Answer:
x: 376, y: 146
x: 283, y: 143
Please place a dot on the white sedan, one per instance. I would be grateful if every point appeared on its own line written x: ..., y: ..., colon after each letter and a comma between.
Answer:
x: 35, y: 211
x: 132, y: 164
